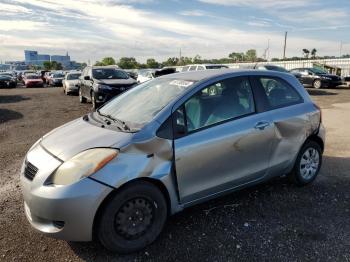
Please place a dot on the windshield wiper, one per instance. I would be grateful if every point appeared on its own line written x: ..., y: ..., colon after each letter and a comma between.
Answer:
x: 120, y: 122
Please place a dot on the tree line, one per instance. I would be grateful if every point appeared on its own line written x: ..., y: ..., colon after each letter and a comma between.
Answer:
x: 234, y: 57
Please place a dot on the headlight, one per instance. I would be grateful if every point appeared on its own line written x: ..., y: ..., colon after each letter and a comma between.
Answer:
x: 82, y: 165
x: 99, y: 86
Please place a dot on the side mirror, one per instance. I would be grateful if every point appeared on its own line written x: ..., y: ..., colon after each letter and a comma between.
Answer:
x: 86, y: 77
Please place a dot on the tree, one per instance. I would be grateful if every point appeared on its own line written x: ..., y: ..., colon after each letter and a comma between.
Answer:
x: 313, y: 53
x: 152, y: 63
x: 108, y: 61
x: 251, y: 55
x: 236, y: 56
x: 197, y: 59
x: 47, y: 65
x: 171, y: 61
x: 128, y: 63
x: 53, y: 65
x: 98, y: 63
x: 306, y: 53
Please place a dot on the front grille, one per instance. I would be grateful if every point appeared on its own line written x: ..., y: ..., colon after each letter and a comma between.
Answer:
x: 30, y: 171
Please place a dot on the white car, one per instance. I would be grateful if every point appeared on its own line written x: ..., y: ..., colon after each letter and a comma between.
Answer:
x: 145, y: 75
x: 202, y: 67
x: 71, y: 83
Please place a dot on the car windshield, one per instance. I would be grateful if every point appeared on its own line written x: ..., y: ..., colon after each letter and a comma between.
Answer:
x: 141, y: 104
x: 318, y: 71
x: 215, y: 66
x: 73, y: 76
x: 276, y: 68
x: 57, y: 75
x: 109, y: 73
x: 33, y: 77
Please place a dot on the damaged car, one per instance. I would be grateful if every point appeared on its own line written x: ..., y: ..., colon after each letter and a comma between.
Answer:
x: 118, y: 173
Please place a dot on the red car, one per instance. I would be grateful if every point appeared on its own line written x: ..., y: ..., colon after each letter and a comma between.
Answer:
x: 33, y: 81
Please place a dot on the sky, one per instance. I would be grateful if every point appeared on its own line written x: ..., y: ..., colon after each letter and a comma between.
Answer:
x: 92, y: 29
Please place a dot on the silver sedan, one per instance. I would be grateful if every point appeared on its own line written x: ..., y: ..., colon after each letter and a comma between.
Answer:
x: 165, y: 145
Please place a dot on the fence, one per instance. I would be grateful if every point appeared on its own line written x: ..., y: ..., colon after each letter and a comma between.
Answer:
x: 341, y: 63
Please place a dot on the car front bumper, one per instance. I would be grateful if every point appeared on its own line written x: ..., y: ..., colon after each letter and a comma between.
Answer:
x: 72, y: 89
x: 63, y: 212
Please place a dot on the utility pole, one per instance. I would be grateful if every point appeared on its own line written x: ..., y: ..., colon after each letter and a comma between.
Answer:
x: 285, y: 45
x: 340, y: 49
x: 268, y: 50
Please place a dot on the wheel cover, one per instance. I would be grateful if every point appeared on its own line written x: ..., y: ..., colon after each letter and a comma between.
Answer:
x: 309, y: 163
x: 134, y: 218
x: 317, y: 84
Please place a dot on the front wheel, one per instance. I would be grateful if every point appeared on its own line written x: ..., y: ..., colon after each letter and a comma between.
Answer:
x: 317, y: 84
x: 308, y: 164
x: 133, y: 218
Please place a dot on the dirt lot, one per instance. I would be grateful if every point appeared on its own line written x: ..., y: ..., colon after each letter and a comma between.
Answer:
x: 275, y: 221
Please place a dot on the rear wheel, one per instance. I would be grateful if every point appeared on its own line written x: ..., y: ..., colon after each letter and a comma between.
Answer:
x: 308, y: 164
x: 133, y: 218
x: 81, y: 98
x: 317, y: 84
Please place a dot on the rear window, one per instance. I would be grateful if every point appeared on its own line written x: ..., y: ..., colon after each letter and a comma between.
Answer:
x: 279, y: 93
x: 109, y: 73
x: 33, y: 77
x: 73, y: 76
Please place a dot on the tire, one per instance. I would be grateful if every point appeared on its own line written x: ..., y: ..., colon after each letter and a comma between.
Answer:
x: 95, y: 105
x: 139, y: 203
x: 81, y: 98
x: 307, y: 168
x: 317, y: 84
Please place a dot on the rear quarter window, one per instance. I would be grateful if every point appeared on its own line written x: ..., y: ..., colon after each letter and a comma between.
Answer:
x: 279, y: 93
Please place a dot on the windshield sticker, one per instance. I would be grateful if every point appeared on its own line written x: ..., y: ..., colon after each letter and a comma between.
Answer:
x: 181, y: 83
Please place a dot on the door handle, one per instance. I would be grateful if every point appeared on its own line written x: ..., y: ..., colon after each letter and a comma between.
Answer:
x: 262, y: 125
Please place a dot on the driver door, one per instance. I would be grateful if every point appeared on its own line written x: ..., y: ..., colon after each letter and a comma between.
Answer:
x: 223, y: 142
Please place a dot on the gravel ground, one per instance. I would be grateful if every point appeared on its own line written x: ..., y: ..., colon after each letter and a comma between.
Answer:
x: 275, y: 221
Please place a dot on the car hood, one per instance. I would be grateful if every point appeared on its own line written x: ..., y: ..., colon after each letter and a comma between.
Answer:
x: 78, y: 135
x: 57, y: 78
x: 128, y: 81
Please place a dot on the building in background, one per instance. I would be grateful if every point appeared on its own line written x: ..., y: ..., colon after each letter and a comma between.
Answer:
x: 34, y: 58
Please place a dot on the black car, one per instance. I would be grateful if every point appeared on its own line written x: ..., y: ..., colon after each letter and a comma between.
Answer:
x: 99, y: 84
x: 7, y: 81
x: 317, y: 77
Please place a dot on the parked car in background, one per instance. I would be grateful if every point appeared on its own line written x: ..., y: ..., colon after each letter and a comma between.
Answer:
x: 56, y: 79
x: 33, y: 80
x: 317, y: 78
x: 202, y: 67
x: 347, y: 81
x: 145, y: 75
x: 71, y: 83
x: 25, y: 73
x: 47, y: 77
x: 12, y: 79
x: 278, y: 69
x: 99, y: 84
x: 116, y: 174
x: 7, y: 81
x: 132, y: 73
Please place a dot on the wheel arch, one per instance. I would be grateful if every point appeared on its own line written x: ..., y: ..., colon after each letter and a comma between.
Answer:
x: 157, y: 183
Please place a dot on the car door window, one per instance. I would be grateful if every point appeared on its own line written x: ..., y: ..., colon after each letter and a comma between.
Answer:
x: 279, y: 93
x: 224, y: 100
x: 200, y: 68
x: 193, y: 68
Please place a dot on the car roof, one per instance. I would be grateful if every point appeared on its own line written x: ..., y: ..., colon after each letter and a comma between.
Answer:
x: 206, y: 74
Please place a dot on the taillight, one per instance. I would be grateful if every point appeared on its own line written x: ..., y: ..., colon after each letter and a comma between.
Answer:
x: 319, y: 109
